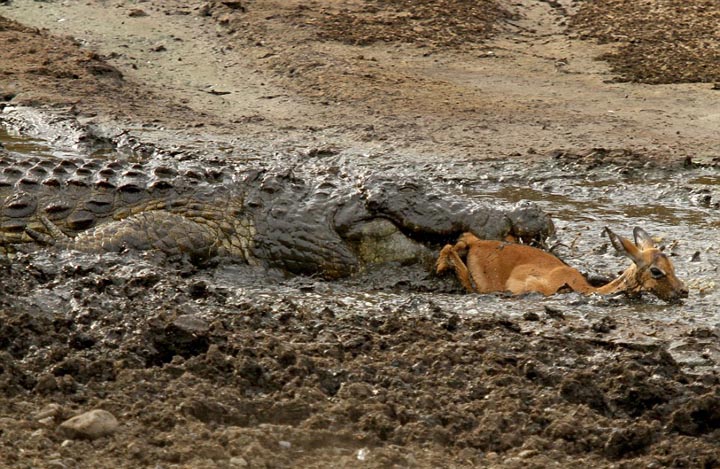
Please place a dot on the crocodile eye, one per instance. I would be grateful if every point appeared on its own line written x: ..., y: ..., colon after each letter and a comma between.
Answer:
x: 656, y: 273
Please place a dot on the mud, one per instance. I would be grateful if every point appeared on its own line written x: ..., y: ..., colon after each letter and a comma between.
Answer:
x: 228, y: 365
x: 214, y: 374
x: 682, y: 46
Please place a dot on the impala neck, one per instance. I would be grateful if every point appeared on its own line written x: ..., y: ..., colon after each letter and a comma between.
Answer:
x: 626, y: 282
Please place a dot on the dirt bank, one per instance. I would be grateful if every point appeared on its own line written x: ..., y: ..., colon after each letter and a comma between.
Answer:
x: 225, y: 366
x: 425, y: 82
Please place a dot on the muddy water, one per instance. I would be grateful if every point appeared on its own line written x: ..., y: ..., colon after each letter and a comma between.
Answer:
x: 68, y: 145
x: 16, y: 143
x: 677, y: 207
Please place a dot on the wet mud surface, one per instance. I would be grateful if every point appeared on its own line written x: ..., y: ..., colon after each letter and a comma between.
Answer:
x: 230, y: 365
x: 320, y: 375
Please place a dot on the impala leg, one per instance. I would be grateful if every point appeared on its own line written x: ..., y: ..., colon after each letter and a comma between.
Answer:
x: 443, y: 262
x: 448, y: 259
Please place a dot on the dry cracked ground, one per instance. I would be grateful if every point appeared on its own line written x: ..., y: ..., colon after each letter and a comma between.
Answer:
x: 200, y: 374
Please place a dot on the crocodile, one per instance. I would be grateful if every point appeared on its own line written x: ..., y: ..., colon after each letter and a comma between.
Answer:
x: 330, y: 223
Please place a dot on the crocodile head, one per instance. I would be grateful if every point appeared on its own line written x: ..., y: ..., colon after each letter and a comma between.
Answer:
x: 530, y: 224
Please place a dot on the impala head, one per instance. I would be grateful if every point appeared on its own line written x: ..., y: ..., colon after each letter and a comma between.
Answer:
x: 653, y: 271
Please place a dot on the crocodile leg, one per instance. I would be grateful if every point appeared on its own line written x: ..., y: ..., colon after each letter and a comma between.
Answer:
x: 55, y: 233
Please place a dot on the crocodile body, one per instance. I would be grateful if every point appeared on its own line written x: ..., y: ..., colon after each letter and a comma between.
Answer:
x: 327, y: 224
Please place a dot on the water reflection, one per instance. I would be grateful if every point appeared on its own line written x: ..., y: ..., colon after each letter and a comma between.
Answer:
x: 19, y: 144
x: 16, y: 143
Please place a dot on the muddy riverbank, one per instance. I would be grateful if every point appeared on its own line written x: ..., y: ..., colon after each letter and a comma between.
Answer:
x: 227, y: 365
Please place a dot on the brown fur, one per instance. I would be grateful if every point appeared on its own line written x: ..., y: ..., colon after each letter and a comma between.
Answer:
x: 495, y: 266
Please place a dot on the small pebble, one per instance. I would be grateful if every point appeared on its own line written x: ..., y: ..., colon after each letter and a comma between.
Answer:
x: 531, y: 316
x: 50, y: 410
x: 90, y: 425
x: 238, y: 461
x: 191, y: 324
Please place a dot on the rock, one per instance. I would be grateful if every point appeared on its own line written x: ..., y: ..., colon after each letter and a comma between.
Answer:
x: 604, y: 325
x: 191, y: 324
x: 90, y: 425
x: 46, y: 383
x: 56, y: 464
x: 238, y: 461
x: 234, y: 5
x: 698, y: 416
x: 623, y: 442
x: 205, y: 10
x: 7, y: 422
x: 355, y: 391
x: 531, y: 316
x: 47, y: 421
x: 526, y: 454
x: 554, y: 313
x: 51, y: 410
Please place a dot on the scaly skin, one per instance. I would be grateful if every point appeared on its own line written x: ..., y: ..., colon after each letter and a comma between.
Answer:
x: 323, y: 224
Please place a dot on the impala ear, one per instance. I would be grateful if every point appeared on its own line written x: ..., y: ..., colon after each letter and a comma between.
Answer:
x: 625, y: 247
x: 643, y: 239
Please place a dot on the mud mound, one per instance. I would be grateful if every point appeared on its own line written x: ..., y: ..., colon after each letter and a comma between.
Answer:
x: 200, y: 375
x: 662, y: 41
x: 54, y: 62
x: 428, y: 22
x: 312, y: 67
x: 622, y: 158
x: 41, y: 68
x: 424, y: 23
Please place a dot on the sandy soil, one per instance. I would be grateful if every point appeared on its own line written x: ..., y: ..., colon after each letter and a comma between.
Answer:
x: 252, y: 68
x: 200, y: 374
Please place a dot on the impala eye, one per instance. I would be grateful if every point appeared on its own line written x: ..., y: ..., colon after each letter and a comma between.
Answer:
x: 656, y: 273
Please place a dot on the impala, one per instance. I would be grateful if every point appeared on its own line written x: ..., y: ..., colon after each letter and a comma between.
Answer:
x: 496, y: 266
